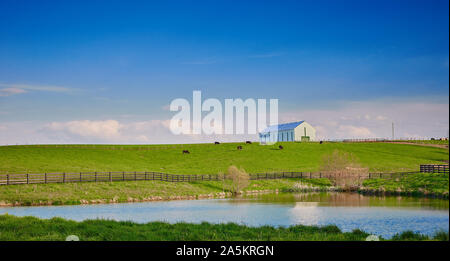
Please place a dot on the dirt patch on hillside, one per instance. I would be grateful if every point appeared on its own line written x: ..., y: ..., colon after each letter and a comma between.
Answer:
x: 420, y: 144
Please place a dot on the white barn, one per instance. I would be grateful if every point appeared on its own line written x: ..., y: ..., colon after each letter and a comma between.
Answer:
x: 294, y: 131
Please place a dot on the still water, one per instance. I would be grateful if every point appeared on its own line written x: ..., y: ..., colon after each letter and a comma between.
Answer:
x: 383, y: 216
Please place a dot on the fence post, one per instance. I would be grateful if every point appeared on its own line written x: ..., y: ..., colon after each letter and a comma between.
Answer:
x: 135, y: 176
x: 110, y: 177
x: 28, y: 179
x: 123, y: 175
x: 96, y: 176
x: 7, y: 179
x: 64, y: 177
x: 80, y: 177
x: 145, y: 175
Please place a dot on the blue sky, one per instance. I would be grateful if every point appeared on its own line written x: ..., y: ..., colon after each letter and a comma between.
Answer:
x: 97, y: 61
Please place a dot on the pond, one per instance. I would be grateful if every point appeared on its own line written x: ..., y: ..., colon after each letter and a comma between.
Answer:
x: 383, y: 216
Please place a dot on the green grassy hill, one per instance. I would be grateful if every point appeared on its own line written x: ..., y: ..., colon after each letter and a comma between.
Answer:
x: 210, y: 158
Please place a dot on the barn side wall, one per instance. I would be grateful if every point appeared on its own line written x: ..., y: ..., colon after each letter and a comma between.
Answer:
x: 300, y: 131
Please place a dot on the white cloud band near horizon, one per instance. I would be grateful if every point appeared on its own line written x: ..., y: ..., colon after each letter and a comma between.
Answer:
x: 412, y: 119
x: 14, y: 89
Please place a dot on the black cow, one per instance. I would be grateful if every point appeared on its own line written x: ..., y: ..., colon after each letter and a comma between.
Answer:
x: 186, y: 152
x: 320, y: 142
x: 216, y: 142
x: 248, y: 142
x: 280, y: 147
x: 239, y: 147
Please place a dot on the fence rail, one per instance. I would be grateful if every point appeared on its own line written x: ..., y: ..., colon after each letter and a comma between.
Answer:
x: 71, y: 177
x: 434, y: 168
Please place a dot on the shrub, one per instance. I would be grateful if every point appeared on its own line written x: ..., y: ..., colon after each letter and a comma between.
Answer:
x: 441, y: 235
x: 409, y: 236
x: 343, y: 169
x: 239, y: 179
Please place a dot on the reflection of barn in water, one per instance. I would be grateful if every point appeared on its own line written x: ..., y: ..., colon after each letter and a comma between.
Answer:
x: 335, y: 199
x: 348, y: 199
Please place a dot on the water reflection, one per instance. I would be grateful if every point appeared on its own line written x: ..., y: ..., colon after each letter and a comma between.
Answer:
x: 339, y: 199
x: 378, y: 215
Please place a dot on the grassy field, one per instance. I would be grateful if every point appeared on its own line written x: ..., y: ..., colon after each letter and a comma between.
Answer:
x: 31, y: 228
x: 210, y: 158
x: 204, y: 158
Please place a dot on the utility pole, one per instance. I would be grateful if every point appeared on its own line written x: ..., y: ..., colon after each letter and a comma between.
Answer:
x: 392, y: 130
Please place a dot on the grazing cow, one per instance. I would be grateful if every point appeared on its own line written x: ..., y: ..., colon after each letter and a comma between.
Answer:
x: 320, y: 142
x: 248, y: 142
x: 280, y: 147
x: 239, y: 147
x: 186, y: 152
x: 216, y: 142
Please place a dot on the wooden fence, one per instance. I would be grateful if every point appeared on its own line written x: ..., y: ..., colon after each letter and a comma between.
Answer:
x: 70, y: 177
x: 434, y: 168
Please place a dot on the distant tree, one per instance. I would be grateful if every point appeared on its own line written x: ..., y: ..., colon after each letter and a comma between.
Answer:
x: 343, y: 169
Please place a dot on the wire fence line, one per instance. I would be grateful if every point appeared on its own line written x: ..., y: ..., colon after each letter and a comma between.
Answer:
x: 71, y: 177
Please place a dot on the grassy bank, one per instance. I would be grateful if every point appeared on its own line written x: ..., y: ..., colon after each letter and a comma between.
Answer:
x: 210, y: 158
x: 420, y: 184
x: 130, y: 191
x: 31, y: 228
x: 413, y: 184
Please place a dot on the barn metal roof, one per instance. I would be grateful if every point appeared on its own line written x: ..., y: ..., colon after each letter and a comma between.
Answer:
x: 282, y: 127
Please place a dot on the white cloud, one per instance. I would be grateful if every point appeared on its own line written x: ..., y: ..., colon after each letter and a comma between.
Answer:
x: 350, y: 131
x: 103, y: 132
x: 11, y: 91
x: 99, y: 129
x: 166, y: 107
x: 414, y: 135
x: 381, y: 118
x: 412, y: 119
